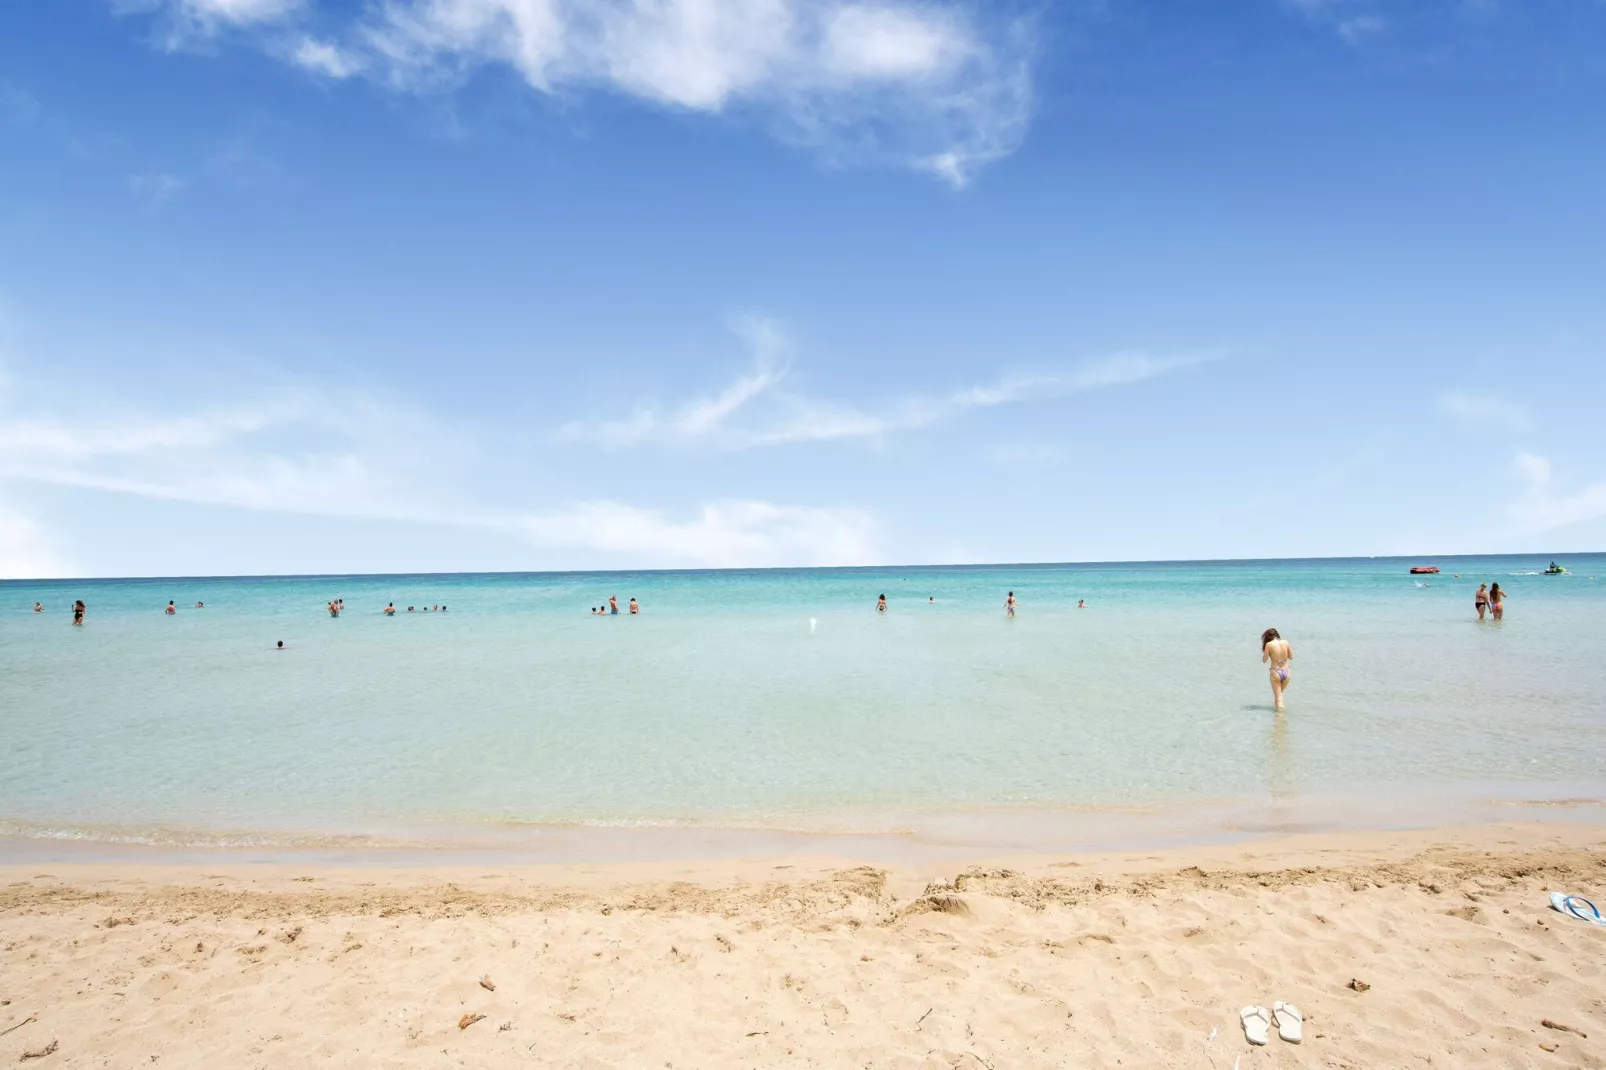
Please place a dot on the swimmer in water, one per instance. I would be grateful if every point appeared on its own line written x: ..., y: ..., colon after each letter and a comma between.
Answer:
x: 1480, y: 601
x: 171, y: 609
x: 1497, y: 602
x: 1276, y: 650
x: 390, y: 609
x: 932, y: 600
x: 78, y: 608
x: 1009, y: 604
x: 334, y: 609
x: 1081, y: 603
x: 613, y: 605
x: 635, y: 607
x: 200, y: 605
x: 38, y: 607
x: 280, y: 646
x: 881, y: 604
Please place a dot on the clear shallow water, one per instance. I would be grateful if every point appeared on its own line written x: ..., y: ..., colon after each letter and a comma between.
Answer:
x: 722, y: 704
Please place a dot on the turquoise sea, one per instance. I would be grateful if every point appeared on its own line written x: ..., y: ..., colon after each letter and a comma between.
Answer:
x: 780, y: 700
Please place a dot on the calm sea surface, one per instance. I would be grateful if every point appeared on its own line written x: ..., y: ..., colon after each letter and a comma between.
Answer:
x: 782, y: 700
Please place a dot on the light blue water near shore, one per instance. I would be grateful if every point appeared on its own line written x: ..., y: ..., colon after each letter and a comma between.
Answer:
x: 780, y: 699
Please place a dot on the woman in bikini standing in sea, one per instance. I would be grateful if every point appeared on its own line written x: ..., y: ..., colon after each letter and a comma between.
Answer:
x: 1480, y: 601
x: 1276, y: 650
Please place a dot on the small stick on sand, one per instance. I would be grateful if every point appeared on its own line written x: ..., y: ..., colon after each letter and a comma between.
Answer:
x: 923, y: 1017
x: 468, y: 1020
x: 48, y: 1049
x: 19, y: 1025
x: 487, y: 984
x: 1548, y: 1024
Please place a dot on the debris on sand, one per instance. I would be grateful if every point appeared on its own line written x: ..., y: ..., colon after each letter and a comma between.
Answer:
x: 469, y: 1019
x: 488, y: 984
x: 48, y: 1049
x: 1548, y: 1024
x: 1358, y: 985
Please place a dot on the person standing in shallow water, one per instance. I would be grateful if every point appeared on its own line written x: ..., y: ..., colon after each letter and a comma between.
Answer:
x: 1009, y: 604
x: 1277, y: 651
x: 78, y: 608
x: 881, y: 604
x: 1497, y: 602
x: 1480, y: 601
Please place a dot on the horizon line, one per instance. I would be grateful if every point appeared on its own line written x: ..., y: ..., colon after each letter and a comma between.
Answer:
x: 791, y: 568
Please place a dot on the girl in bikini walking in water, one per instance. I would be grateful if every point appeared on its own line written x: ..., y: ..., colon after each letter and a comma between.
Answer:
x: 1276, y: 650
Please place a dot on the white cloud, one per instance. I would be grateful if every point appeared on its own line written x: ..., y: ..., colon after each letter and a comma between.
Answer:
x: 321, y: 57
x: 774, y: 417
x: 26, y: 551
x: 316, y: 451
x: 739, y: 534
x: 155, y: 189
x: 1480, y: 412
x: 1541, y: 507
x: 943, y: 86
x: 1360, y: 27
x: 1352, y: 20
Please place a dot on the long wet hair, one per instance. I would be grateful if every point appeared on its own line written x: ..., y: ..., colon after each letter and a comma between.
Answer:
x: 1267, y: 636
x: 1495, y: 592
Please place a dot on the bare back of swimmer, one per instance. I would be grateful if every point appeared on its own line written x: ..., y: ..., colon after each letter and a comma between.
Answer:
x: 1279, y: 654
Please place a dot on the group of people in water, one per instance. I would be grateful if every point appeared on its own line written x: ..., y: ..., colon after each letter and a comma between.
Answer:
x: 611, y: 609
x: 1009, y: 603
x: 1490, y: 600
x: 78, y: 609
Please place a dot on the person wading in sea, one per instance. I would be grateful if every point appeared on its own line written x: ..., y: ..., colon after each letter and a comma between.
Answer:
x: 1276, y: 650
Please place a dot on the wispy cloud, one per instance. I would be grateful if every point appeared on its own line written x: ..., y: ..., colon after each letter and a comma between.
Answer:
x: 738, y: 534
x: 324, y: 58
x: 1481, y: 412
x: 1543, y: 507
x: 155, y: 189
x: 1353, y: 20
x: 312, y: 450
x: 942, y: 86
x: 26, y: 550
x: 755, y: 410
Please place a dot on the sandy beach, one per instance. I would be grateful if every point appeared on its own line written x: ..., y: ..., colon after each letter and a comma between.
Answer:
x: 1140, y: 960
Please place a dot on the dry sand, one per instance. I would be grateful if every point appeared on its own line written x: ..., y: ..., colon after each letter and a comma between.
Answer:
x: 1090, y: 961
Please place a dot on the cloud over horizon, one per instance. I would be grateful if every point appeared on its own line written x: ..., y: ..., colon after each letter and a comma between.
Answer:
x: 776, y: 417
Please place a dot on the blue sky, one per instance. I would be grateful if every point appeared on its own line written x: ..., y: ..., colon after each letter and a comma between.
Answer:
x: 377, y: 285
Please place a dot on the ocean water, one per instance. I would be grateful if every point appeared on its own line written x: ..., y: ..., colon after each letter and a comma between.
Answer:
x: 779, y: 699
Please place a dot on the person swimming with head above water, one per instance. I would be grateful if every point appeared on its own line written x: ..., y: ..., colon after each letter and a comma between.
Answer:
x: 390, y: 609
x: 38, y: 607
x: 1276, y: 650
x: 881, y: 604
x: 171, y: 609
x: 635, y: 607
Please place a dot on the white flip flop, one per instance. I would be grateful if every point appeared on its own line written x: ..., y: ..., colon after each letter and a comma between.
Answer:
x: 1257, y: 1024
x: 1576, y: 906
x: 1290, y: 1023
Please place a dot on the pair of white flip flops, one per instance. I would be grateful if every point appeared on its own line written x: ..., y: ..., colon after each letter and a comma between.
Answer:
x: 1285, y: 1016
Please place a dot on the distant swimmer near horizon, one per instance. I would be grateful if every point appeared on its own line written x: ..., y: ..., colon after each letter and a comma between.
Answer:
x: 280, y: 646
x: 881, y: 604
x: 1276, y: 650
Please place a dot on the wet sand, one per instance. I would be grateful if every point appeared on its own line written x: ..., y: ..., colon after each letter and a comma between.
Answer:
x: 1074, y: 960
